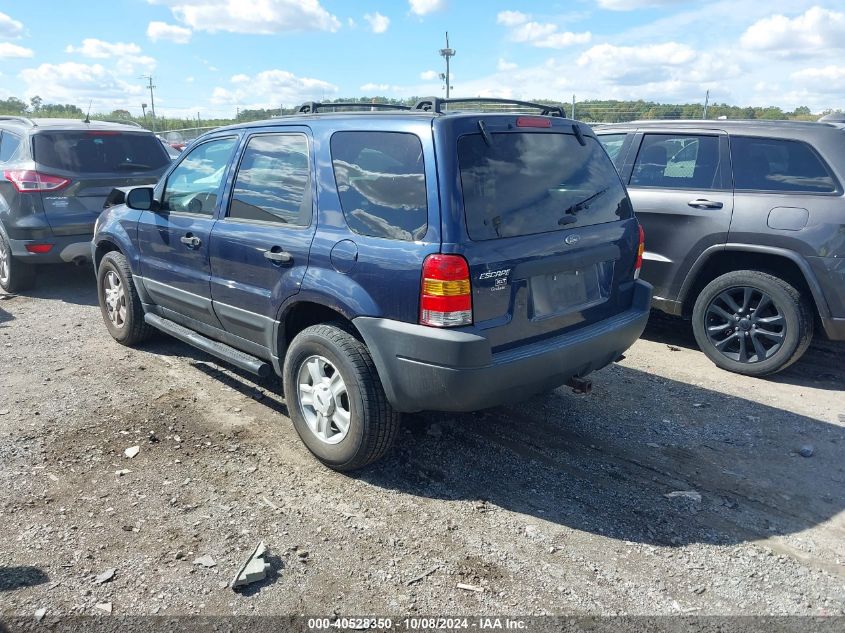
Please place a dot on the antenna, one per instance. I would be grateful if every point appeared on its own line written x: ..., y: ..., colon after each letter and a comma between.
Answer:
x: 87, y: 114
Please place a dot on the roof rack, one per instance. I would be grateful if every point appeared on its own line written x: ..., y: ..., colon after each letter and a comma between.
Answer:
x: 22, y: 119
x: 435, y: 104
x: 313, y: 107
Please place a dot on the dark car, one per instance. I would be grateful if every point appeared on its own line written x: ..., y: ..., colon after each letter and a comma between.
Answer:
x: 384, y: 262
x: 56, y: 175
x: 746, y: 231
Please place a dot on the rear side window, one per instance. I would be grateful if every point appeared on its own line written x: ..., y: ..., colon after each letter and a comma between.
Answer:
x: 272, y: 181
x: 613, y: 146
x: 767, y: 164
x: 528, y: 183
x: 678, y: 161
x: 95, y: 152
x: 380, y: 179
x: 9, y: 145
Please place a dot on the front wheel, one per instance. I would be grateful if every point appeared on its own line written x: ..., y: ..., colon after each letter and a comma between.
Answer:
x: 15, y: 275
x: 120, y: 304
x: 753, y: 323
x: 335, y: 398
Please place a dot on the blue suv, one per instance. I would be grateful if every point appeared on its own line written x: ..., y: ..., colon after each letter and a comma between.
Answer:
x: 385, y: 261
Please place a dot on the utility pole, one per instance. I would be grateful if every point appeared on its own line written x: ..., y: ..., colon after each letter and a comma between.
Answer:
x: 149, y: 78
x: 573, y: 106
x: 706, y: 102
x: 447, y: 53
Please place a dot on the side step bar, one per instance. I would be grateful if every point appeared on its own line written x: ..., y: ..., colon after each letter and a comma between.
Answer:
x: 215, y: 348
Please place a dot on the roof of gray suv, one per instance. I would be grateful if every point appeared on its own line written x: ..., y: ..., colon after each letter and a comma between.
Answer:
x: 27, y: 123
x: 785, y: 129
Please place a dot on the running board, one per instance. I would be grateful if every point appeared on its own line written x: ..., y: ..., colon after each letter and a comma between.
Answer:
x: 215, y: 348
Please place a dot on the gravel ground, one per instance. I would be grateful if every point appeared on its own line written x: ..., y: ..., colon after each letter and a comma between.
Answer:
x: 554, y: 506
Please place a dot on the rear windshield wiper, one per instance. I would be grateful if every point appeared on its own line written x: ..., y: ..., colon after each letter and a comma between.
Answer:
x: 132, y: 166
x: 569, y: 214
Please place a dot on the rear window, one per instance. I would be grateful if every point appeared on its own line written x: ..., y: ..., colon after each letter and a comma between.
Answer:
x: 528, y: 183
x: 768, y: 164
x: 92, y: 152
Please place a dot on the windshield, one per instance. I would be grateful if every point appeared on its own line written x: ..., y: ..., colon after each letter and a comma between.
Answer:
x: 526, y: 183
x: 97, y: 152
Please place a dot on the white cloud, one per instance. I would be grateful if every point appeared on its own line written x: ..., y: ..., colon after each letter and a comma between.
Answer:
x: 171, y: 32
x: 252, y: 16
x: 424, y: 7
x: 375, y: 87
x: 72, y: 82
x: 630, y: 5
x: 813, y: 31
x: 828, y: 79
x: 541, y: 35
x: 378, y: 22
x: 9, y: 27
x: 429, y: 75
x: 98, y: 49
x: 503, y: 65
x: 13, y: 50
x: 269, y: 88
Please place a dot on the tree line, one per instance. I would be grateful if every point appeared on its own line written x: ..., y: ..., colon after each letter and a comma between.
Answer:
x: 606, y: 111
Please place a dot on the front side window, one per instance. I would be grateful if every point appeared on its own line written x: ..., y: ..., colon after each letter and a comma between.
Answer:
x: 380, y: 180
x: 272, y: 181
x: 678, y: 161
x: 613, y: 146
x: 194, y: 185
x: 769, y: 164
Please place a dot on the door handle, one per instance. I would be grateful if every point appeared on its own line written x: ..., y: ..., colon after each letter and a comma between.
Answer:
x: 277, y: 255
x: 703, y: 203
x: 191, y: 241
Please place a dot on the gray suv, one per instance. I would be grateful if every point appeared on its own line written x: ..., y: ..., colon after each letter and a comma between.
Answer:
x: 745, y: 231
x: 55, y: 176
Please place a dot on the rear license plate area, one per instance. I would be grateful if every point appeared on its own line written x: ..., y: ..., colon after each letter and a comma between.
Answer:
x: 569, y: 291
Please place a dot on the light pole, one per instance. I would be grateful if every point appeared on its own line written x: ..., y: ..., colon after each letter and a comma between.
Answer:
x: 144, y: 111
x: 447, y: 54
x: 152, y: 99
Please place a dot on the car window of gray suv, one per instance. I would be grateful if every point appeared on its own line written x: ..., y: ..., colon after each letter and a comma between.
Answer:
x: 9, y: 144
x: 678, y: 161
x: 773, y: 164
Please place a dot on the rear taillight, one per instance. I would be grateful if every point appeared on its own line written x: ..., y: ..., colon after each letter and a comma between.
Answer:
x: 39, y: 249
x: 31, y: 181
x: 640, y: 250
x: 446, y: 294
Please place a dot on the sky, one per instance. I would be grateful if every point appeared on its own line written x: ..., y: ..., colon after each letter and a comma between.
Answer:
x: 213, y: 57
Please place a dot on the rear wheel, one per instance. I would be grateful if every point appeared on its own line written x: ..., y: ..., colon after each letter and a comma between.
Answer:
x: 752, y: 323
x: 119, y: 301
x: 335, y: 398
x: 15, y: 275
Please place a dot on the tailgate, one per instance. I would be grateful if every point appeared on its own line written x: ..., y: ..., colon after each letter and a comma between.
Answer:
x: 551, y: 234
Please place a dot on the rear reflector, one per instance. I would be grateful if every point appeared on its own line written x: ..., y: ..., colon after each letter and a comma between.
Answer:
x: 39, y: 249
x: 531, y: 121
x: 446, y: 294
x: 640, y: 250
x: 31, y: 181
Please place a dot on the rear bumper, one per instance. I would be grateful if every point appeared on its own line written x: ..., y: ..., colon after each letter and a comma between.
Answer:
x: 66, y: 248
x: 423, y: 368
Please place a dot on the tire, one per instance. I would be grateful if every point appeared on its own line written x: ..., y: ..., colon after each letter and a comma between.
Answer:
x: 313, y: 359
x: 128, y: 328
x: 15, y: 275
x: 771, y: 315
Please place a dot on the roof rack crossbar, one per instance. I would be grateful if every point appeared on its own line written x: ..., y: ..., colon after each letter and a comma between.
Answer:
x: 121, y: 121
x: 22, y: 119
x: 435, y: 104
x: 313, y: 107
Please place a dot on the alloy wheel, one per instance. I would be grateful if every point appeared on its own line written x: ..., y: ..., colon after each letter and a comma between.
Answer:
x: 745, y: 325
x: 115, y: 298
x: 324, y: 400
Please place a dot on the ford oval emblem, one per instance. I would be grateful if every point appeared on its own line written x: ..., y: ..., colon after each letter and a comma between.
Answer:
x: 572, y: 239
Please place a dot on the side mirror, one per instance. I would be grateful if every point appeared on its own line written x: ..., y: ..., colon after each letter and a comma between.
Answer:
x: 141, y: 199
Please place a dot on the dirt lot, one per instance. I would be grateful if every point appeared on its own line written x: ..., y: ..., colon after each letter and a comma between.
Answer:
x: 557, y: 505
